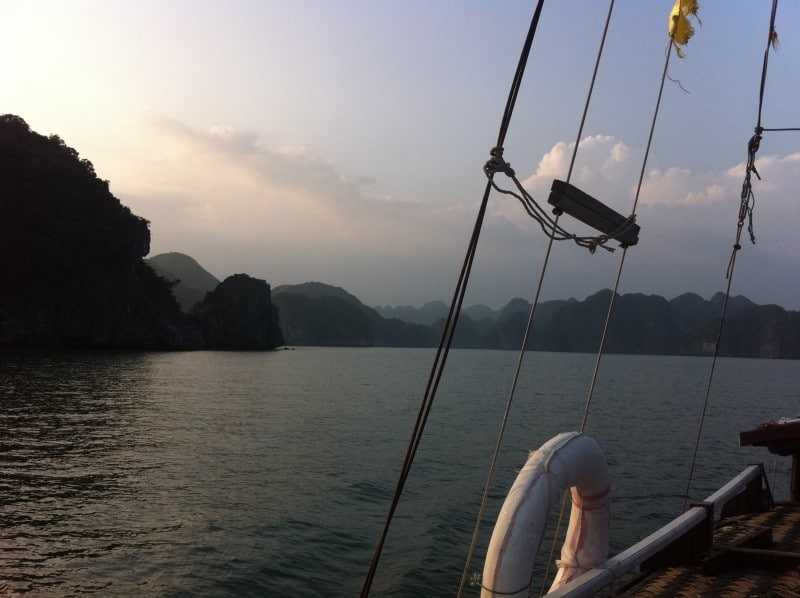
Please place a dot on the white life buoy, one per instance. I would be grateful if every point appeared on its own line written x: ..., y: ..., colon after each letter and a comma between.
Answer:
x: 570, y: 460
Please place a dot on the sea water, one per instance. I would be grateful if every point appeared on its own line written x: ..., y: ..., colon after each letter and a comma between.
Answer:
x: 236, y: 474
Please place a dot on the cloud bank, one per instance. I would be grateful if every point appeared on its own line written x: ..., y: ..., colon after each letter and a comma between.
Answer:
x: 237, y: 202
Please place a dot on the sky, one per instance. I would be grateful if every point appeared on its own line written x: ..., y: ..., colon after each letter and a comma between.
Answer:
x: 343, y: 141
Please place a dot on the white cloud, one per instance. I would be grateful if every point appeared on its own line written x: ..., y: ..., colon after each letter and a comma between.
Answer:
x: 238, y: 202
x: 608, y: 169
x: 680, y: 185
x: 227, y: 179
x: 602, y: 166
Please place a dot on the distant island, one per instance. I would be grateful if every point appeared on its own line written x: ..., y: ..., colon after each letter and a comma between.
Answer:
x: 641, y: 324
x: 71, y: 262
x: 318, y: 314
x: 72, y: 259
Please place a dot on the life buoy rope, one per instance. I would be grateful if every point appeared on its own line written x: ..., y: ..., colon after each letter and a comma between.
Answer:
x: 569, y: 460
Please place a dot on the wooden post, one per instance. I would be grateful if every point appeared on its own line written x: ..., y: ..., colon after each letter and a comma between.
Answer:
x: 781, y: 438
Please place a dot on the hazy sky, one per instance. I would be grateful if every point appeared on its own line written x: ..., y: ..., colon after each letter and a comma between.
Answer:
x: 344, y: 141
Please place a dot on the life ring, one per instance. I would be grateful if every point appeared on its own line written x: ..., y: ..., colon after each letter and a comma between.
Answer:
x: 569, y: 460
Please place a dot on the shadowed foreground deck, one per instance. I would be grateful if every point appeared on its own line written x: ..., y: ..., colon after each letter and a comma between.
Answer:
x: 754, y: 549
x: 752, y: 555
x: 736, y: 543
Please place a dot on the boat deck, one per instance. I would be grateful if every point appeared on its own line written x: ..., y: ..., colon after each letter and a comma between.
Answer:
x: 752, y: 555
x: 736, y: 543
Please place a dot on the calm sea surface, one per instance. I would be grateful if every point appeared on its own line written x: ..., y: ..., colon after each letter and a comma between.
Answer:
x: 235, y: 474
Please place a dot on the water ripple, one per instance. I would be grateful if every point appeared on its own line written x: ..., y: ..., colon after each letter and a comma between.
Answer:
x: 229, y: 474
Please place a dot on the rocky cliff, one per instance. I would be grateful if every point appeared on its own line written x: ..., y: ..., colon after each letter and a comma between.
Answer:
x: 71, y: 259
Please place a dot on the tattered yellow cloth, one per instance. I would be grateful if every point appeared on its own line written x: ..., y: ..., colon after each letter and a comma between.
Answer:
x: 680, y: 29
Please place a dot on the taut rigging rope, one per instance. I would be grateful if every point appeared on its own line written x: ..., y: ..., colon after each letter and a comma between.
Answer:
x: 455, y: 307
x: 745, y: 211
x: 604, y: 334
x: 551, y: 237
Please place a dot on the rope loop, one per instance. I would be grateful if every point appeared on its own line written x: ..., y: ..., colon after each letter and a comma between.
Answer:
x: 497, y: 164
x: 747, y: 197
x: 752, y: 147
x: 755, y: 140
x: 549, y: 225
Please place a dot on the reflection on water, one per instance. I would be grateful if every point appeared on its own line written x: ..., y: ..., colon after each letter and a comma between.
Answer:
x: 234, y: 474
x: 64, y: 437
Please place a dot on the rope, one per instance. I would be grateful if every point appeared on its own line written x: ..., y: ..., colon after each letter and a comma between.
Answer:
x: 518, y: 75
x: 557, y: 532
x: 497, y: 164
x: 554, y: 233
x: 708, y: 391
x: 765, y: 129
x: 550, y: 225
x: 604, y: 335
x: 497, y: 161
x: 771, y: 36
x: 431, y: 387
x: 499, y: 593
x: 745, y: 212
x: 455, y: 308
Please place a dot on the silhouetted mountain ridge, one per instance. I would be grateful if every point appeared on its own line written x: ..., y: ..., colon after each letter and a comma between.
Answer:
x: 192, y: 281
x: 71, y: 262
x: 641, y: 324
x: 315, y: 313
